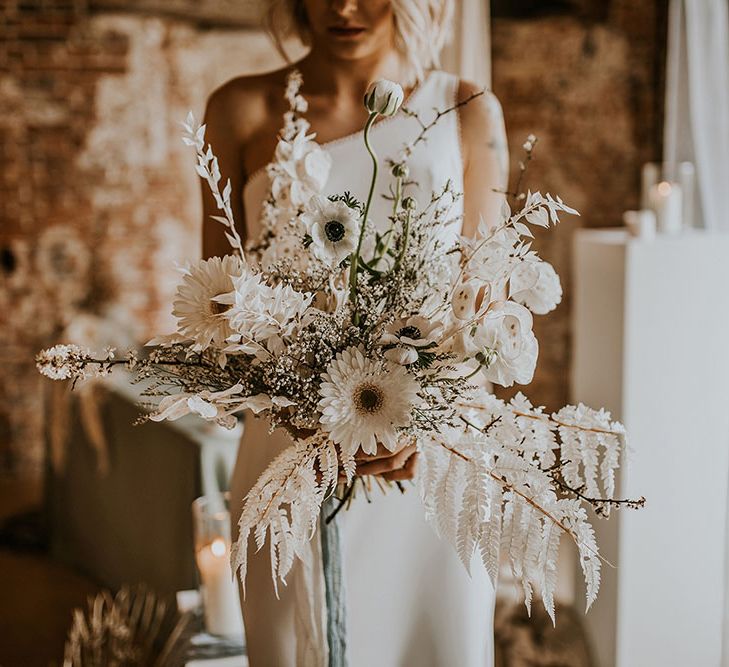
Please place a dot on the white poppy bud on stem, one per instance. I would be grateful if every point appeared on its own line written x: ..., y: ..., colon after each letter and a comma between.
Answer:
x: 383, y: 97
x: 400, y: 170
x: 409, y: 203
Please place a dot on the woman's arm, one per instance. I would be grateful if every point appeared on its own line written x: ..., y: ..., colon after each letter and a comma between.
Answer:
x: 485, y: 157
x: 222, y: 134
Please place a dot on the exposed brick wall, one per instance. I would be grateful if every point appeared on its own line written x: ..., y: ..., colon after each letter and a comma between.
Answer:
x: 586, y: 78
x: 98, y: 197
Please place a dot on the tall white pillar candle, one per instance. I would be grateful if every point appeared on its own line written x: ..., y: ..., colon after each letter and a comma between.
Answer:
x: 641, y: 224
x: 221, y: 602
x: 665, y: 201
x: 649, y: 176
x: 687, y: 181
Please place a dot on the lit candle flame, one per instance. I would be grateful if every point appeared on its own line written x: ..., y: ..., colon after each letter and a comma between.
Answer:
x: 218, y: 547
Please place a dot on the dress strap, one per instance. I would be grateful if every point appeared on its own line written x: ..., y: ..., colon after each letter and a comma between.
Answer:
x: 439, y: 91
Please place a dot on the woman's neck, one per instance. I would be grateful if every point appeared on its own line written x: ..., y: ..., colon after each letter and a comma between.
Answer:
x: 339, y: 79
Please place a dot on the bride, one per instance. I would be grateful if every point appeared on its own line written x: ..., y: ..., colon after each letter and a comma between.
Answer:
x: 409, y: 599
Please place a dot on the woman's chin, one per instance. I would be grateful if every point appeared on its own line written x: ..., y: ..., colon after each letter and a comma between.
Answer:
x: 350, y: 49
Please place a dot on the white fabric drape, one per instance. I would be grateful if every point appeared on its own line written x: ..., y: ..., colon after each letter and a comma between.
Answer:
x: 468, y: 53
x: 697, y: 129
x: 697, y: 101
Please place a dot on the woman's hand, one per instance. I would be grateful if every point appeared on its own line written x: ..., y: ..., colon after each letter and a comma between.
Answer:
x: 391, y: 466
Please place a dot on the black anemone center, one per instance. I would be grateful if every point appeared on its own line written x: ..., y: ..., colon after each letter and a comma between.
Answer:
x: 369, y: 398
x: 334, y: 230
x: 410, y: 332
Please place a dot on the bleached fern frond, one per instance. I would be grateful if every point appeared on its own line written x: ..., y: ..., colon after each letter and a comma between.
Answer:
x: 491, y: 486
x: 284, y: 504
x: 590, y: 447
x: 446, y: 511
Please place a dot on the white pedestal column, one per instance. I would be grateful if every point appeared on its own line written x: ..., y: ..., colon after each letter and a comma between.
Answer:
x: 651, y: 344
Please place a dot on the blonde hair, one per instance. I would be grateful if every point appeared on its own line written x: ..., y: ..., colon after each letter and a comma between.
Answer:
x: 422, y: 28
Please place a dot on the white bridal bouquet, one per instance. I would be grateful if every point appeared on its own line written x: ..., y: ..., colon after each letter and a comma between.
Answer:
x: 350, y: 336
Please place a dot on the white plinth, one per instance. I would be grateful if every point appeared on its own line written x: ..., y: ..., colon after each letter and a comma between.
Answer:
x: 651, y: 344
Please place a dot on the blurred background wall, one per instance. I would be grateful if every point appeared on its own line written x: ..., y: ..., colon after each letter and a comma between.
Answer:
x: 586, y: 77
x: 98, y: 197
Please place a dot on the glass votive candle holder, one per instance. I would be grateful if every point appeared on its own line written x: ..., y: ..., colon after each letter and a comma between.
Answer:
x: 221, y: 602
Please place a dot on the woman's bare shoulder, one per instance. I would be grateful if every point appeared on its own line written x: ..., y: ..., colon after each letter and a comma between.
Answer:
x: 482, y: 110
x: 245, y: 103
x: 482, y: 122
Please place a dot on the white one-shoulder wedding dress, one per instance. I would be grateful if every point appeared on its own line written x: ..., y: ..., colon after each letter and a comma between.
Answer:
x: 410, y: 601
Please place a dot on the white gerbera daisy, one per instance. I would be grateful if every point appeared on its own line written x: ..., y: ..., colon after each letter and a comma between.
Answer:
x: 333, y: 227
x: 199, y: 316
x: 365, y: 401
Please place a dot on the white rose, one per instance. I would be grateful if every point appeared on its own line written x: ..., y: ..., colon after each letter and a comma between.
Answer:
x: 536, y: 285
x: 506, y: 335
x: 383, y: 97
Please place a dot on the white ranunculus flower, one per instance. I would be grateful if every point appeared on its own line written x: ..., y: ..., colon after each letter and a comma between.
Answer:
x: 505, y: 335
x: 383, y: 97
x: 536, y: 285
x: 333, y: 227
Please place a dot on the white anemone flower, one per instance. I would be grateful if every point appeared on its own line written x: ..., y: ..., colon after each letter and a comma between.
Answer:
x: 505, y: 336
x: 333, y: 227
x: 536, y: 285
x: 408, y: 335
x: 365, y: 401
x: 416, y: 330
x: 200, y: 317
